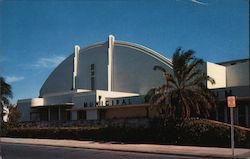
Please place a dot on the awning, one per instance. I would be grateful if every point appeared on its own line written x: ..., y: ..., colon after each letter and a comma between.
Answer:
x: 53, y: 105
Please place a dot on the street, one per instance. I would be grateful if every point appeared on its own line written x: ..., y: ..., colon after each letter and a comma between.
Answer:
x: 23, y: 151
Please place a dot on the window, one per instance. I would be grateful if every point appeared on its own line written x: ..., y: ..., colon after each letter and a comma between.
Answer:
x: 92, y: 67
x: 35, y: 116
x: 92, y: 76
x: 81, y: 115
x: 92, y: 83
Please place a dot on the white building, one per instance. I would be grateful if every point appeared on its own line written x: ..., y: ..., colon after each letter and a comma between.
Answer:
x: 5, y: 111
x: 104, y: 81
x: 237, y: 84
x: 5, y: 114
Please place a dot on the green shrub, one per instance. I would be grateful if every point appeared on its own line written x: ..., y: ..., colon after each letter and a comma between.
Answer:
x: 211, y: 133
x: 189, y: 132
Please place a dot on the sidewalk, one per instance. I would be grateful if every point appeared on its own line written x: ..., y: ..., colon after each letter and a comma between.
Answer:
x: 144, y: 148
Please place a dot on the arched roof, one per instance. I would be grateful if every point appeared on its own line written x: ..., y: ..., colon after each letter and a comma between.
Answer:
x: 67, y: 65
x: 142, y: 48
x: 147, y: 51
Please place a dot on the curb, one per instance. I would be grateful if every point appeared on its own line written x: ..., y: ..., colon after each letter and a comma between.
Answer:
x: 133, y: 151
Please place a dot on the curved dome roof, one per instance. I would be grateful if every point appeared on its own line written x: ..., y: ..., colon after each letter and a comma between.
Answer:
x: 132, y: 69
x: 146, y: 50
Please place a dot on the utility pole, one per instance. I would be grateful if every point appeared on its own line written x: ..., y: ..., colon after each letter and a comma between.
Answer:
x: 231, y: 103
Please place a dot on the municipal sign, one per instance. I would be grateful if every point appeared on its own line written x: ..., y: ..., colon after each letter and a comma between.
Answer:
x: 231, y: 101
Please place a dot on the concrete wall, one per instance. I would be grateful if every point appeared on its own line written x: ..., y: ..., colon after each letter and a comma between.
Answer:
x: 133, y: 69
x: 58, y: 99
x: 86, y: 97
x: 60, y: 80
x: 106, y: 95
x: 218, y: 73
x: 125, y: 100
x: 96, y: 55
x: 238, y: 74
x: 91, y: 115
x: 37, y: 102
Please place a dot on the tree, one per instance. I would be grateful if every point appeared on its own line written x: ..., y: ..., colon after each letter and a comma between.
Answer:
x: 184, y: 93
x: 6, y: 92
x: 14, y: 114
x: 5, y: 95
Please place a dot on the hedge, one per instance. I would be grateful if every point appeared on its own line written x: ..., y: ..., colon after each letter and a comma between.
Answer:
x: 200, y: 132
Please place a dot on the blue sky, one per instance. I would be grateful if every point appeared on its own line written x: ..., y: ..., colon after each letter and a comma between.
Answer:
x: 37, y: 35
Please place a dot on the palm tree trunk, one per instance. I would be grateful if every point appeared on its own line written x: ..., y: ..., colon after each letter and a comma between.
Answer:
x: 1, y: 117
x: 1, y: 109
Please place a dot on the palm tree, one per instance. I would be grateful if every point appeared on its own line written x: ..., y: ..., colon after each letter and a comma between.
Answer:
x: 6, y: 92
x: 5, y: 95
x: 184, y: 93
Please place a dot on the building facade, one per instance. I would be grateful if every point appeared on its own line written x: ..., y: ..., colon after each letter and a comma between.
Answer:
x: 108, y: 80
x: 237, y: 84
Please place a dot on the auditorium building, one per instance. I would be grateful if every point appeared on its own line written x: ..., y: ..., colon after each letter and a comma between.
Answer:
x: 108, y: 80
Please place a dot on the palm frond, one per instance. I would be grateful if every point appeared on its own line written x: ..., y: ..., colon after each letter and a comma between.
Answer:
x: 5, y: 91
x: 184, y: 93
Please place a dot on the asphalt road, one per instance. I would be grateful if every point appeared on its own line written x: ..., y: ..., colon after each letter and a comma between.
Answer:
x: 23, y: 151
